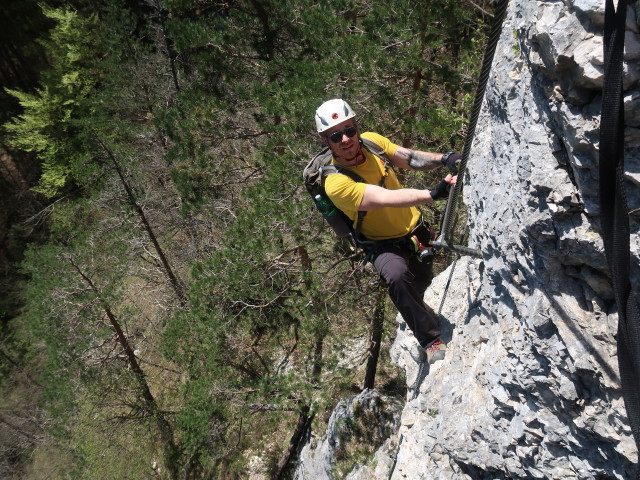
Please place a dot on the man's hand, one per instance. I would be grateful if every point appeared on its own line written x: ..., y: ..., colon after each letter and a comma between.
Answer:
x: 451, y: 161
x: 441, y: 190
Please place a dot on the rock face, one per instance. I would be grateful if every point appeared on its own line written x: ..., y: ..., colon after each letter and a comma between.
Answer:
x: 366, y: 420
x: 530, y: 387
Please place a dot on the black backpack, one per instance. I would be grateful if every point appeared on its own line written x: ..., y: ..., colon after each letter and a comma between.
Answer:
x: 314, y: 176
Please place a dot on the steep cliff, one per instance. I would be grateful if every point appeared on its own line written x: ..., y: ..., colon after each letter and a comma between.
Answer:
x: 530, y: 387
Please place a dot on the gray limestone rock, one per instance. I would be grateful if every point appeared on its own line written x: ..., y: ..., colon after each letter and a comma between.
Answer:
x: 368, y: 416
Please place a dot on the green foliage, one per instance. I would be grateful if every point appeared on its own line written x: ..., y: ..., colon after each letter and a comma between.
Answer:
x: 46, y: 125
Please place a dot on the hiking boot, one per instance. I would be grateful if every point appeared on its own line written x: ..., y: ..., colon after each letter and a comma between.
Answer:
x: 436, y: 351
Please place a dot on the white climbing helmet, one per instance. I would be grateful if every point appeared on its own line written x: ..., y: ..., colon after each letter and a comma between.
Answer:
x: 332, y: 112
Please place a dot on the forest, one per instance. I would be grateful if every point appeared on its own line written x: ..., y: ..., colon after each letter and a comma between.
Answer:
x: 172, y: 306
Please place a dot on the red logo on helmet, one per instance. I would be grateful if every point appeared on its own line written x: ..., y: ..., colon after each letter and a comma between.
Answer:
x: 334, y: 116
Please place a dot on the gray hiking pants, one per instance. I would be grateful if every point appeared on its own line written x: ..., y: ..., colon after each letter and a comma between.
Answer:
x: 407, y: 279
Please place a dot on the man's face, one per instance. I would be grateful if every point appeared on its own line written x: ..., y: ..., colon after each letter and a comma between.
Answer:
x: 343, y: 140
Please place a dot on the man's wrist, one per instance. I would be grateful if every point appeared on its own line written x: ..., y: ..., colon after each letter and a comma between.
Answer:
x: 445, y: 156
x: 450, y: 160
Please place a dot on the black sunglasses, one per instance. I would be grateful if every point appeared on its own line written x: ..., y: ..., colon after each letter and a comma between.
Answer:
x: 336, y: 137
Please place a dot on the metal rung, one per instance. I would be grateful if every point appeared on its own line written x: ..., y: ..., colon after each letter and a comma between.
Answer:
x: 457, y: 248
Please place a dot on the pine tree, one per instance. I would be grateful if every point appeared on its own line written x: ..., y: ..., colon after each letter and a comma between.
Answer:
x: 272, y: 305
x: 84, y: 317
x: 46, y: 125
x: 67, y: 133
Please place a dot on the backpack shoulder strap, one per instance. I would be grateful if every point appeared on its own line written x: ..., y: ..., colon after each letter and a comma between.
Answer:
x: 334, y: 168
x: 320, y: 166
x: 374, y: 148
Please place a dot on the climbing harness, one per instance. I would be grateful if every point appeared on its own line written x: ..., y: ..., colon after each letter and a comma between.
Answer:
x: 314, y: 175
x: 444, y: 241
x: 614, y: 213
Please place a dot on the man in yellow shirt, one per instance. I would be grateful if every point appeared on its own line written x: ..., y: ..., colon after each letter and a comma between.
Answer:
x: 392, y: 217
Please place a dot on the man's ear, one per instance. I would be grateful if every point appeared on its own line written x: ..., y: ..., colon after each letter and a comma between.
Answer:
x: 324, y: 140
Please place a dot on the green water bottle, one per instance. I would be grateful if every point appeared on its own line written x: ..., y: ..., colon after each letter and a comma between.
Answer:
x: 339, y: 223
x: 325, y: 206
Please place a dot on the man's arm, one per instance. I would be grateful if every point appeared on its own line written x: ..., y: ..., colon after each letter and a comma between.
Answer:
x: 376, y: 197
x: 416, y: 159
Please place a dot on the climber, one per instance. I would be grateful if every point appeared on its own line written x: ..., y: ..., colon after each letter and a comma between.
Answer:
x: 397, y: 236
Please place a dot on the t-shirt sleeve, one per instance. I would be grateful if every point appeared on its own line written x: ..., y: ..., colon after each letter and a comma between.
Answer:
x: 344, y: 192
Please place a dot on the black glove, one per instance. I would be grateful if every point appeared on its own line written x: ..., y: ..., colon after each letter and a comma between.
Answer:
x: 440, y: 191
x: 451, y: 161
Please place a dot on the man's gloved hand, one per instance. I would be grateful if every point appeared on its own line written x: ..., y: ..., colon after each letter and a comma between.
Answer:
x: 451, y: 161
x: 440, y: 191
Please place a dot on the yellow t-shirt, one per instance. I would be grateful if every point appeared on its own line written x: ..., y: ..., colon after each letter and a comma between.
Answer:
x: 346, y: 194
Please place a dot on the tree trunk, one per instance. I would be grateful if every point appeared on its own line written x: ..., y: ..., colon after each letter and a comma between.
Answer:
x: 304, y: 419
x: 168, y: 44
x: 175, y: 283
x: 166, y: 432
x: 377, y: 327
